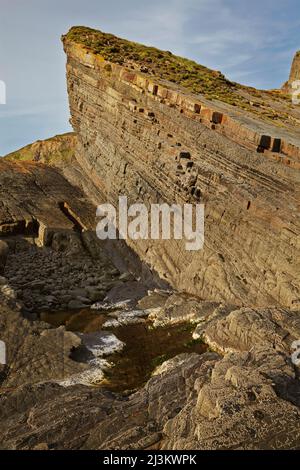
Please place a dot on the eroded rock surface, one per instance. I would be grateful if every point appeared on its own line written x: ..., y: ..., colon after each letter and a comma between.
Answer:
x: 246, y: 395
x: 35, y: 352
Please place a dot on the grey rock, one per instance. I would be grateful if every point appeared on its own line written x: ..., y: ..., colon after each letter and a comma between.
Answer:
x: 75, y: 304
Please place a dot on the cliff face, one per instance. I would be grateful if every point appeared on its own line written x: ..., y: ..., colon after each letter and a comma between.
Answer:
x: 294, y: 74
x: 134, y: 127
x: 295, y: 70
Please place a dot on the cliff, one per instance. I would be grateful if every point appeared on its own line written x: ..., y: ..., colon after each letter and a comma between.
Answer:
x: 295, y: 70
x: 294, y: 73
x: 136, y: 115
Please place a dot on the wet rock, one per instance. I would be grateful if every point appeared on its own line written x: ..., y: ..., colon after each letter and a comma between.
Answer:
x: 132, y: 290
x: 95, y: 294
x: 77, y: 292
x: 75, y: 304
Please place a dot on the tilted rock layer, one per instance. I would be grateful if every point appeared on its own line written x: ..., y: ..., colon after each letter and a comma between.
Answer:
x: 152, y: 140
x: 295, y: 71
x: 294, y: 74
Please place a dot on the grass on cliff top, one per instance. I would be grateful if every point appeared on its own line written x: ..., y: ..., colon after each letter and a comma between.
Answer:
x: 162, y: 64
x: 59, y: 148
x: 194, y: 77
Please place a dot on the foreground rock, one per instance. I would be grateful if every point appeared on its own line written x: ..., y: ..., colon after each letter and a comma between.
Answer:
x: 244, y: 397
x: 35, y: 352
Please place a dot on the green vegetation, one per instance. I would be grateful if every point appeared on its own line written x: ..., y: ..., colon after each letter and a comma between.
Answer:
x: 158, y: 361
x: 187, y: 327
x: 50, y: 151
x: 194, y: 342
x: 162, y: 64
x: 194, y: 77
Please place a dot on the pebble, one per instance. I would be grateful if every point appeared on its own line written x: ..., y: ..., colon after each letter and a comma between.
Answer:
x: 42, y: 279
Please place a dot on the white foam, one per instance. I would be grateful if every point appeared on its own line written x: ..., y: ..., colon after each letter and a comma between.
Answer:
x: 106, y: 305
x: 100, y: 344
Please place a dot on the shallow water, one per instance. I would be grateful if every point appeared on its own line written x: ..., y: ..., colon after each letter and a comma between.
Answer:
x: 84, y: 320
x: 145, y: 347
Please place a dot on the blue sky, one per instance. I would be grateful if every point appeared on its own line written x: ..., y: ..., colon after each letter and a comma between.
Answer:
x: 251, y: 42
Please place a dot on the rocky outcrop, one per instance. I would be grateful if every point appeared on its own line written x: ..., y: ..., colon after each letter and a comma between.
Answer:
x: 253, y: 385
x: 49, y: 203
x: 135, y: 130
x: 294, y: 74
x: 295, y: 70
x: 35, y: 351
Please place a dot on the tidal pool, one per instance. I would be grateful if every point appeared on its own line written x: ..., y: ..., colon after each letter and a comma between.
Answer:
x: 145, y: 347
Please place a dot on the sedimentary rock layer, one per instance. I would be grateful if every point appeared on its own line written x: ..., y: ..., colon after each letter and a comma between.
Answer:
x: 37, y: 201
x: 153, y: 141
x: 294, y: 74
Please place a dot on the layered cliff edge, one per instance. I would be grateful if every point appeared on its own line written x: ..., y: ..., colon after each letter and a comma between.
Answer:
x: 136, y: 116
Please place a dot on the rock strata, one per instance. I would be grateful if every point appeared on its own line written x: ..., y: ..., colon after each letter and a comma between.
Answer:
x: 135, y: 131
x: 294, y: 73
